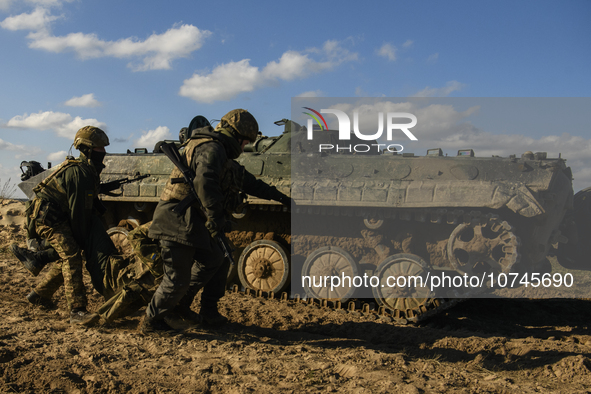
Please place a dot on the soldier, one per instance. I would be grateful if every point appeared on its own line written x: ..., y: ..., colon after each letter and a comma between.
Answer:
x: 127, y: 284
x: 62, y: 213
x: 191, y: 258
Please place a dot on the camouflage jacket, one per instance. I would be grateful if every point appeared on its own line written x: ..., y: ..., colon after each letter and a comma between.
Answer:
x: 68, y: 195
x: 218, y: 180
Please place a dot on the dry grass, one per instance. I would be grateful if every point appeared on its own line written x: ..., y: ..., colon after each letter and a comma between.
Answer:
x: 7, y: 190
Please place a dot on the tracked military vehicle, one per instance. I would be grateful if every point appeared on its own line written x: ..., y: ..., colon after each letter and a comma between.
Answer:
x: 377, y: 214
x: 391, y: 215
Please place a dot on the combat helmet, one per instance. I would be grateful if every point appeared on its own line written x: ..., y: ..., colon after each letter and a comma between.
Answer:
x: 242, y: 122
x: 198, y: 122
x: 92, y: 137
x: 183, y: 135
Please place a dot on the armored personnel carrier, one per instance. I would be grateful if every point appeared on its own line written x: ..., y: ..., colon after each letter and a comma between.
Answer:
x: 398, y: 215
x: 376, y: 214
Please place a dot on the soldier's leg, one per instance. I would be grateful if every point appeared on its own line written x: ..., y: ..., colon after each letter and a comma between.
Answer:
x: 97, y: 250
x: 128, y: 287
x: 34, y: 261
x: 130, y: 298
x: 209, y: 273
x: 206, y: 265
x: 62, y: 240
x: 52, y: 281
x: 213, y: 291
x: 177, y: 263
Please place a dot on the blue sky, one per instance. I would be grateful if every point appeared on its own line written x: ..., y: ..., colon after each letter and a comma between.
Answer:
x: 142, y: 70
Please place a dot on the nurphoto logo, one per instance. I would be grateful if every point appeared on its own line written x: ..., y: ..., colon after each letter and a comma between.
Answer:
x: 345, y: 130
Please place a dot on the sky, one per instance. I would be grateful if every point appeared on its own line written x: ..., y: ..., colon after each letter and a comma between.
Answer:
x: 141, y: 70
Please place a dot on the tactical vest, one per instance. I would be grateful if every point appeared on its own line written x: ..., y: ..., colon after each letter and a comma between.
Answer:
x: 52, y: 188
x: 230, y: 179
x: 51, y: 196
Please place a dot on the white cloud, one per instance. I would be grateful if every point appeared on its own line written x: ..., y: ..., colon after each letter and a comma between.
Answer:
x: 228, y: 80
x: 150, y: 138
x: 433, y: 58
x: 62, y: 124
x: 4, y: 145
x: 5, y: 4
x: 445, y: 91
x: 388, y: 51
x: 154, y: 53
x: 41, y: 120
x: 224, y: 83
x: 57, y: 157
x: 292, y: 65
x: 49, y: 3
x: 38, y: 20
x: 408, y: 43
x: 68, y: 130
x: 312, y: 93
x: 86, y: 100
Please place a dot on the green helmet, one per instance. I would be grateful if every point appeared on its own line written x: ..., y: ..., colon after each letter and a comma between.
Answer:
x: 243, y: 123
x: 91, y: 136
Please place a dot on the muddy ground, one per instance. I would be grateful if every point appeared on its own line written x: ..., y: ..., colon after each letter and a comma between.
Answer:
x: 478, y: 346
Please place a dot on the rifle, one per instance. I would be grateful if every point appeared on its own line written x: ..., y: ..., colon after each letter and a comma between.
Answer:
x: 108, y: 187
x: 172, y: 152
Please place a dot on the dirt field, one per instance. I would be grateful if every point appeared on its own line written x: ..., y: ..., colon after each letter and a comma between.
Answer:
x: 478, y: 346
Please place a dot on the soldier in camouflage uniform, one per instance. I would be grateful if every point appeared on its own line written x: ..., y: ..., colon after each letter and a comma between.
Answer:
x: 130, y: 287
x: 62, y: 213
x: 126, y: 283
x: 191, y: 258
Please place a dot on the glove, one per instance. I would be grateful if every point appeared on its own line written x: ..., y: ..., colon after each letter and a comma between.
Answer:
x: 217, y: 227
x: 213, y: 227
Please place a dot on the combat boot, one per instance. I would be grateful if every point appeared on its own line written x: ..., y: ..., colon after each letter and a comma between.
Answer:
x: 84, y: 318
x: 36, y: 299
x: 181, y: 317
x: 151, y: 326
x: 213, y: 317
x: 33, y: 261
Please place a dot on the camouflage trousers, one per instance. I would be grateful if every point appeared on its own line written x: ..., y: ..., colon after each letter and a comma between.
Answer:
x: 68, y: 270
x: 130, y: 282
x: 124, y: 281
x: 131, y: 295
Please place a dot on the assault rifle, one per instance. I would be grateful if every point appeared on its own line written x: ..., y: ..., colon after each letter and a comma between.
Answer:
x: 172, y: 152
x: 108, y: 187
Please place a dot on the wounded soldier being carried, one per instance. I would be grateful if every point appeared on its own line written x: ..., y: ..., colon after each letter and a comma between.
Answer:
x: 127, y: 283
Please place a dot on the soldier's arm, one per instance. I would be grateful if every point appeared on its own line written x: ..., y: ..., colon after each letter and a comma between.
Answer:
x: 208, y: 162
x: 255, y: 187
x: 80, y: 189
